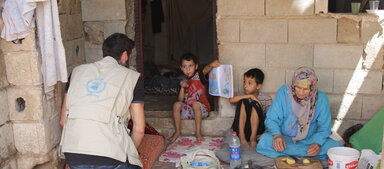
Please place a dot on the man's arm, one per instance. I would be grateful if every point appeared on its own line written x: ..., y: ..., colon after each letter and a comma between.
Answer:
x: 138, y: 119
x: 63, y: 109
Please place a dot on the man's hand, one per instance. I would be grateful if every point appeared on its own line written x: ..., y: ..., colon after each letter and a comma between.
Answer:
x: 254, y: 98
x: 279, y: 143
x: 313, y: 149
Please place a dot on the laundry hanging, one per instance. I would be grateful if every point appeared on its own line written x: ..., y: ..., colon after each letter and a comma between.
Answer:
x: 19, y: 22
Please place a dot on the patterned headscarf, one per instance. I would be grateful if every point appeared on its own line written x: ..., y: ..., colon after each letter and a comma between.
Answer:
x: 304, y: 109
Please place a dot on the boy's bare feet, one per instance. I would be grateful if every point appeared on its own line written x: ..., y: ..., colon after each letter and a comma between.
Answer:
x: 244, y: 143
x: 199, y: 137
x: 253, y: 143
x: 174, y: 137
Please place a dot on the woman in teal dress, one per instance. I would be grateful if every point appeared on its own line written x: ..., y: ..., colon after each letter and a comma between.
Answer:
x: 299, y: 121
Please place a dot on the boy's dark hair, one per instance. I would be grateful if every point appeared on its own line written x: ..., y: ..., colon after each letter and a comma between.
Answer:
x: 255, y: 73
x: 188, y: 57
x: 116, y: 44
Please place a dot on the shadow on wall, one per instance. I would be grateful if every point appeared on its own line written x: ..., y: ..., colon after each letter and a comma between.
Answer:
x: 372, y: 52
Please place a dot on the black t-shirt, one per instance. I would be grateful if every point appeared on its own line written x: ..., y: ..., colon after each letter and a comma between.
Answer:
x: 83, y: 159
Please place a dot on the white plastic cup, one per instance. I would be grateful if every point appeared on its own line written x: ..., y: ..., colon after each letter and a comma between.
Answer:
x: 374, y: 5
x: 343, y: 158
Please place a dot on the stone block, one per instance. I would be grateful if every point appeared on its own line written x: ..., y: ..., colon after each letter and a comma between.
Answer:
x: 289, y: 56
x: 32, y: 97
x: 30, y: 138
x: 28, y: 161
x: 23, y: 68
x: 106, y: 10
x: 325, y: 80
x: 372, y: 105
x: 94, y: 32
x: 64, y: 27
x: 244, y: 54
x: 76, y: 7
x: 64, y: 6
x: 7, y: 147
x: 289, y: 7
x: 374, y: 57
x: 114, y: 27
x: 9, y: 164
x: 371, y: 84
x: 93, y: 55
x: 348, y: 30
x: 321, y: 6
x: 273, y: 80
x: 240, y: 8
x: 3, y: 73
x: 74, y: 51
x: 354, y: 109
x: 262, y: 31
x: 74, y: 27
x: 312, y: 31
x: 226, y: 109
x: 228, y: 30
x: 337, y: 56
x: 4, y: 111
x: 27, y: 44
x: 371, y: 32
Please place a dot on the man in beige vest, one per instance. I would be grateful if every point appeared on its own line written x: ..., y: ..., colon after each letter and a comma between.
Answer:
x: 100, y: 100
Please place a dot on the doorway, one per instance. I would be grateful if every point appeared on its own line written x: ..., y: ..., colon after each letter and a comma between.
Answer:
x: 168, y: 29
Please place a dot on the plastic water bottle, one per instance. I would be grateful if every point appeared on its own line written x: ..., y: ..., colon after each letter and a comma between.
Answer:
x: 234, y: 151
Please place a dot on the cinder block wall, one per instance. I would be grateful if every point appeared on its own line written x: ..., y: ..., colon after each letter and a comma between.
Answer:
x: 29, y: 136
x: 279, y: 36
x: 111, y: 17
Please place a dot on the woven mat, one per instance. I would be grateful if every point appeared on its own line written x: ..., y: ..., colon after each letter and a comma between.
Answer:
x: 188, y: 144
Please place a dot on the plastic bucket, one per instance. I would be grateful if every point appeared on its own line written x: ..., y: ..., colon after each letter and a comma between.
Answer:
x: 343, y: 158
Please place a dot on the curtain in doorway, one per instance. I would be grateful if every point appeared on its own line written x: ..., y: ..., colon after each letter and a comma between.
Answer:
x: 191, y: 28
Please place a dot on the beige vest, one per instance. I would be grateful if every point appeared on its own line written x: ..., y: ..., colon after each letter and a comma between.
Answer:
x: 98, y: 103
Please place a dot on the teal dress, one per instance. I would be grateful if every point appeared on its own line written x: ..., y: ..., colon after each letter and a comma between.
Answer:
x: 281, y: 120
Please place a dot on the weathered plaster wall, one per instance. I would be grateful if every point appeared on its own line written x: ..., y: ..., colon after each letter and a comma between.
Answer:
x: 102, y: 18
x: 29, y: 136
x: 279, y: 36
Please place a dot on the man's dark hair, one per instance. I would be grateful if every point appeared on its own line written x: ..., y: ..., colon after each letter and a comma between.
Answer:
x: 188, y: 57
x: 255, y: 73
x: 116, y: 44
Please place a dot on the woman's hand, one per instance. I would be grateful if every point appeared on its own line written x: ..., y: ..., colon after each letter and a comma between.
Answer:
x: 313, y: 149
x: 279, y: 143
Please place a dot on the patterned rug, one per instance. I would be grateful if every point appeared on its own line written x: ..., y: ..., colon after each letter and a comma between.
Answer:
x: 188, y: 144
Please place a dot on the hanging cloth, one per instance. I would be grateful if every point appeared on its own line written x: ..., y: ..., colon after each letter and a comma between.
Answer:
x: 18, y: 23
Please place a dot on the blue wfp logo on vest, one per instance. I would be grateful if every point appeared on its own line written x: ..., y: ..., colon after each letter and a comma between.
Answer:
x: 95, y: 87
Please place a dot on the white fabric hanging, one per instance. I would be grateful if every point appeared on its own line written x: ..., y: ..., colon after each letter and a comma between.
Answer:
x: 18, y: 21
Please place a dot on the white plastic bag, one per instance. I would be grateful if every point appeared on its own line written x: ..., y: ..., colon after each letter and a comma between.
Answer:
x: 368, y: 159
x: 201, y: 156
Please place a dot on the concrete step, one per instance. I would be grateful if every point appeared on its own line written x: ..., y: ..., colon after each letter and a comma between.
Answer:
x: 162, y: 121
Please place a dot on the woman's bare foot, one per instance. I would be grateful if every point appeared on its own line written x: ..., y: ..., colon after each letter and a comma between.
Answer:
x: 199, y: 137
x: 174, y: 137
x: 253, y: 143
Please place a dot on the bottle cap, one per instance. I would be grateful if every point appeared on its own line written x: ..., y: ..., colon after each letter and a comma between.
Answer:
x: 233, y: 132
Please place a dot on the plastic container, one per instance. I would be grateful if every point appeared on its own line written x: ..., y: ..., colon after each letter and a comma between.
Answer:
x: 234, y: 151
x: 343, y: 158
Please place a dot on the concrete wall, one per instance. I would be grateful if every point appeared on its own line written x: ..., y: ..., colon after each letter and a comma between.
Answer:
x: 111, y: 17
x: 279, y: 36
x: 31, y: 132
